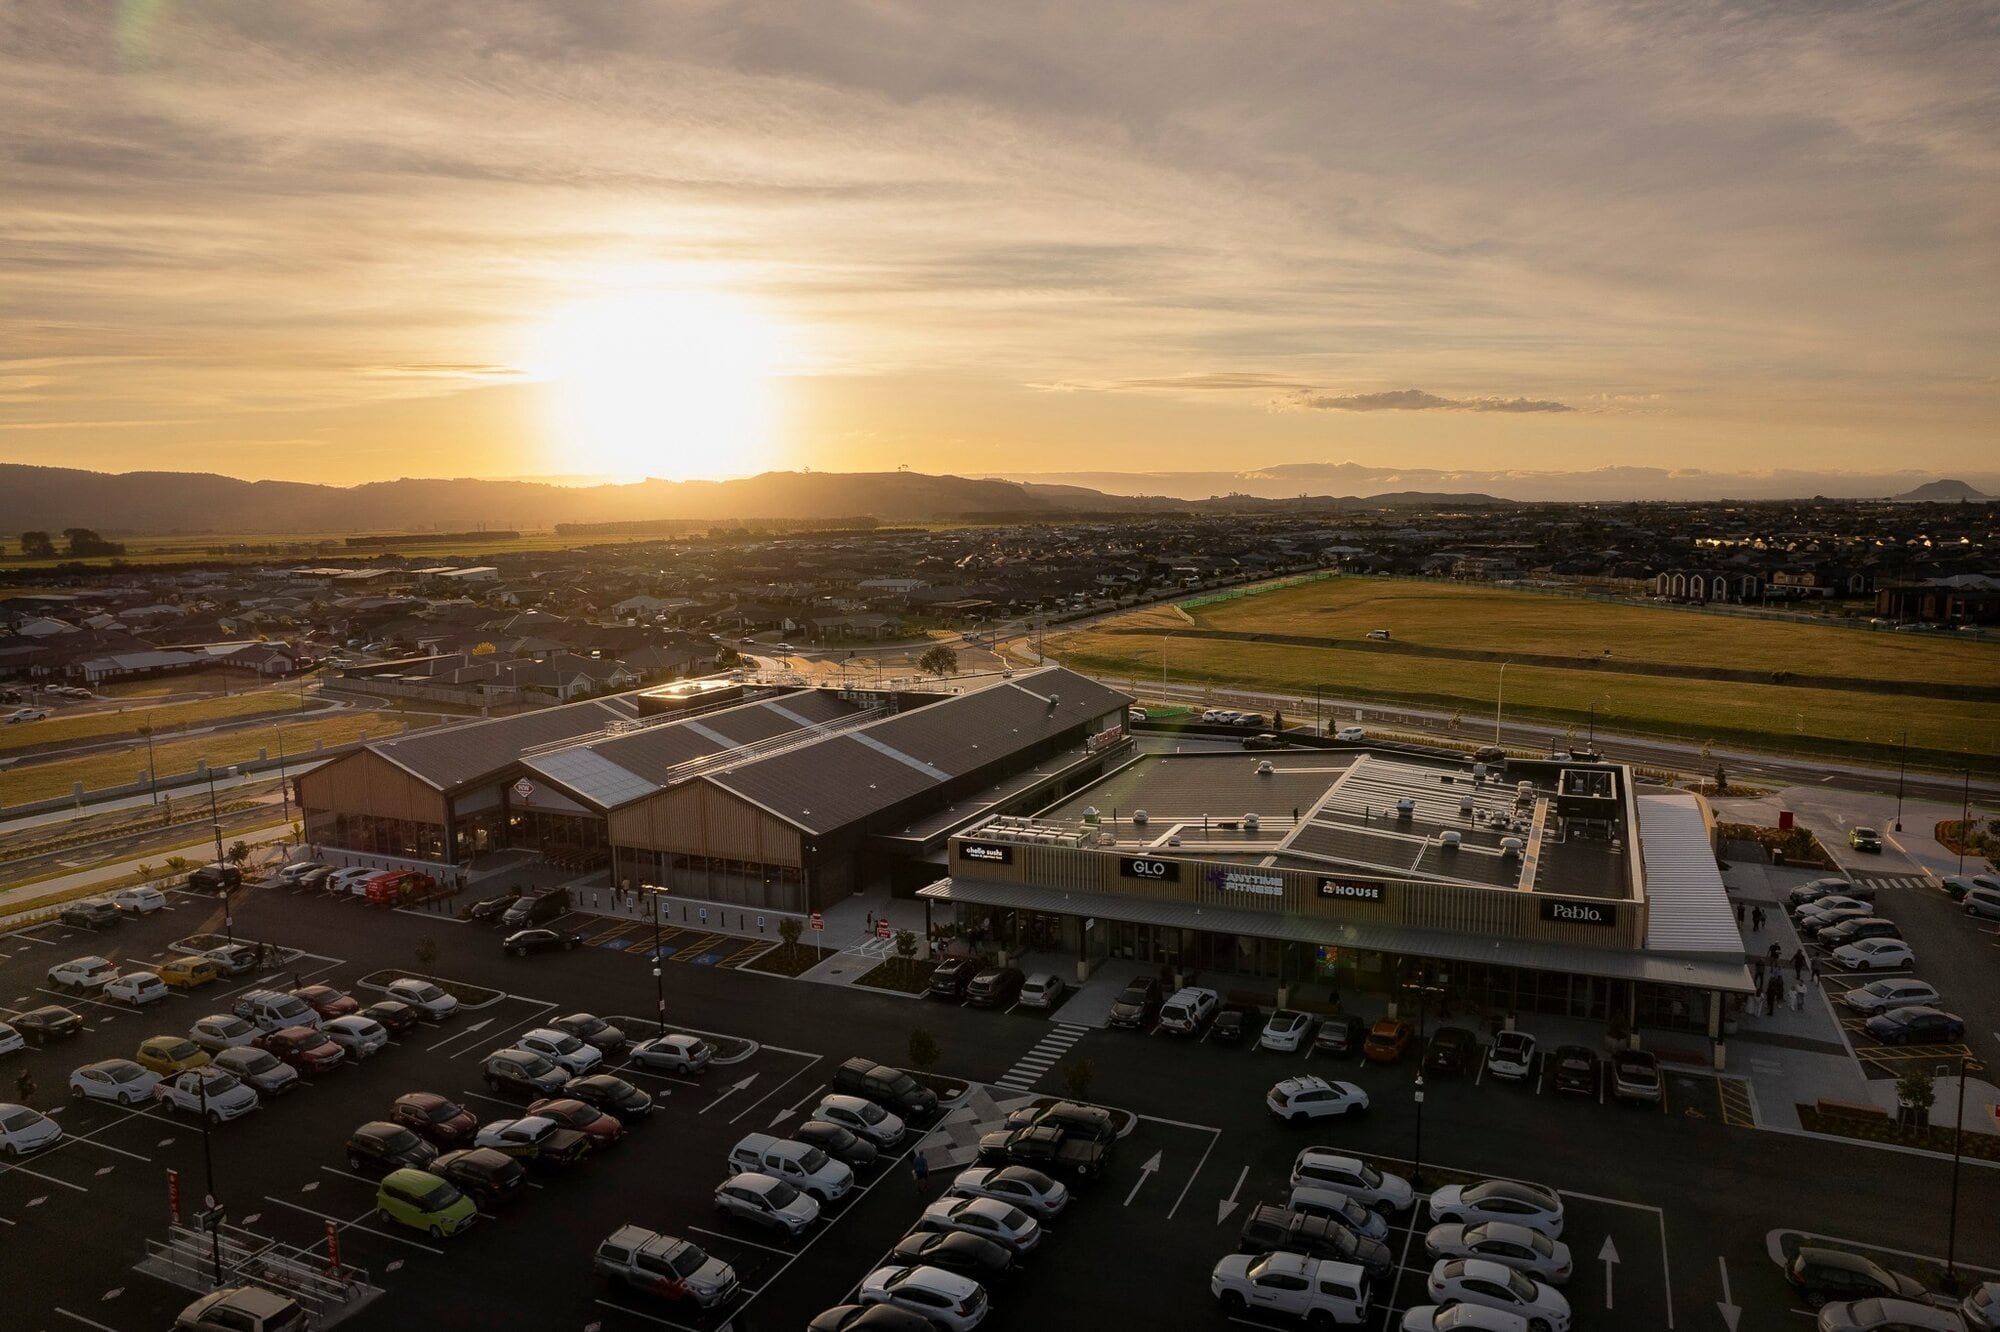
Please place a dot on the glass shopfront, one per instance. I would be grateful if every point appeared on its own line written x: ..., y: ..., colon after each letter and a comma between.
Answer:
x: 372, y: 835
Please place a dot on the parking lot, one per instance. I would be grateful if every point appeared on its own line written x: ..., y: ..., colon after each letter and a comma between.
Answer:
x: 1655, y: 1194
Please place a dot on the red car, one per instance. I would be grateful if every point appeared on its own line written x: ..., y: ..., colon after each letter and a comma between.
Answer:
x: 326, y: 1001
x: 302, y: 1048
x: 431, y: 1116
x: 603, y: 1130
x: 1387, y: 1040
x: 394, y: 1014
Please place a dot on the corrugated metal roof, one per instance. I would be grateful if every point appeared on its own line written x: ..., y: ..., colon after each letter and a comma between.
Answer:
x: 1618, y: 964
x: 448, y: 756
x: 1688, y: 908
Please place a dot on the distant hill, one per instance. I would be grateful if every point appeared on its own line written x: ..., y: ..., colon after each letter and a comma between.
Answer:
x: 1941, y: 492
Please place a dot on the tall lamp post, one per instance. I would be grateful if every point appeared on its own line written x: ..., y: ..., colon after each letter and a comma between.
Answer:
x: 657, y: 891
x: 221, y: 865
x: 152, y: 776
x: 1957, y: 1137
x: 1424, y: 990
x: 211, y: 1211
x: 1499, y: 694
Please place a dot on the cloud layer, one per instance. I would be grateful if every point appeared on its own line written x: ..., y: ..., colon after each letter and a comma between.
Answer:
x: 1416, y: 400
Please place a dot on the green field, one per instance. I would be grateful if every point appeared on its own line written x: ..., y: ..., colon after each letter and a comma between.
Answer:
x: 73, y: 727
x: 1942, y: 732
x: 42, y: 781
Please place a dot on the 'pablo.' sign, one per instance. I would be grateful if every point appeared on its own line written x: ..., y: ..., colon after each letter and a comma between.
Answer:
x: 1579, y: 913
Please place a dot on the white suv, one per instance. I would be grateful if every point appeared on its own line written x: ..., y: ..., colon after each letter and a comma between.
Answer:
x: 1326, y: 1169
x: 1293, y: 1285
x: 1190, y: 1007
x: 1299, y: 1099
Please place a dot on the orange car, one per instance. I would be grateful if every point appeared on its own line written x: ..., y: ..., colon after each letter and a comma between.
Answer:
x: 1387, y: 1040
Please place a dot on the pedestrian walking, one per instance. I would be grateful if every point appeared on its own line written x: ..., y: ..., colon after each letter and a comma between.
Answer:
x: 1739, y: 913
x: 1758, y: 976
x: 1799, y: 965
x: 263, y: 950
x: 1774, y: 994
x: 1774, y: 953
x: 24, y: 1087
x: 920, y: 1168
x: 1798, y: 996
x: 1756, y: 919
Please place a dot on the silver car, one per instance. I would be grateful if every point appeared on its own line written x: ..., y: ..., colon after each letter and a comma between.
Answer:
x: 766, y: 1202
x: 862, y: 1118
x: 1042, y: 990
x: 1023, y: 1186
x: 1505, y: 1243
x: 222, y: 1031
x: 1881, y: 1315
x: 1882, y: 995
x: 988, y: 1218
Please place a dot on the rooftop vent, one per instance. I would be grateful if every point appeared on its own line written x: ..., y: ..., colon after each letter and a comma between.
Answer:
x: 1265, y: 769
x: 1139, y: 816
x: 1478, y: 771
x: 1511, y: 847
x: 1405, y: 808
x: 1449, y: 841
x: 1465, y: 808
x: 1250, y: 822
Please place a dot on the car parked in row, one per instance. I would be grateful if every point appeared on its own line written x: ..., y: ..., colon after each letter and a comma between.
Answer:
x: 1189, y: 1010
x: 1349, y: 1211
x: 861, y: 1117
x: 435, y: 1118
x: 190, y: 972
x: 989, y: 1218
x: 1285, y: 1031
x: 1578, y: 1070
x: 143, y: 900
x: 167, y: 1055
x: 676, y: 1051
x: 360, y: 1037
x: 665, y: 1267
x: 82, y: 975
x: 1271, y: 1229
x: 1315, y: 1290
x: 799, y: 1164
x: 396, y: 1017
x: 1044, y: 1147
x: 424, y: 1201
x: 994, y: 987
x: 523, y: 1072
x: 260, y: 1069
x: 1023, y: 1186
x: 765, y: 1201
x: 1519, y: 1247
x: 1635, y: 1075
x: 1452, y: 1051
x: 91, y: 913
x: 954, y: 1251
x: 1136, y: 1004
x: 536, y: 1139
x: 611, y: 1094
x: 1883, y: 995
x: 427, y: 997
x: 50, y: 1022
x: 1917, y: 1024
x: 575, y: 1056
x: 1512, y: 1056
x: 600, y: 1129
x: 539, y: 940
x: 890, y: 1088
x: 120, y: 1081
x: 304, y: 1048
x: 137, y: 988
x: 1499, y: 1200
x: 24, y: 1130
x: 1875, y: 955
x: 381, y: 1145
x: 1387, y: 1041
x: 950, y: 1300
x: 595, y: 1031
x: 1820, y: 1275
x: 214, y: 1092
x: 1043, y: 990
x: 1477, y: 1281
x: 1326, y: 1168
x: 486, y: 1176
x: 1341, y: 1034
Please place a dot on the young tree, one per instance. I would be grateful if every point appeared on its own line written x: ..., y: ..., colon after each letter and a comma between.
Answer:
x: 1721, y: 779
x: 1916, y: 1092
x: 238, y: 853
x: 1076, y: 1079
x: 938, y: 660
x: 923, y: 1049
x: 788, y: 930
x: 906, y: 946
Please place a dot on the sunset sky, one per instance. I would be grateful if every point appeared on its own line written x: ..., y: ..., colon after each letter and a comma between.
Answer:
x: 348, y: 241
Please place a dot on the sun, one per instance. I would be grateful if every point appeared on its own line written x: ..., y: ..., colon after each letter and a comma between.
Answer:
x: 672, y: 382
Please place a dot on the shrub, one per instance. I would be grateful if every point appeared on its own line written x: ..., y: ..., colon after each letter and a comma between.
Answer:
x: 788, y: 930
x: 923, y: 1049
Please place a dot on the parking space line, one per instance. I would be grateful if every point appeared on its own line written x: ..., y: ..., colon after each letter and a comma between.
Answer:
x: 1215, y: 1136
x: 651, y: 1318
x: 348, y: 1174
x: 482, y: 1096
x: 87, y: 1322
x: 352, y: 1225
x: 775, y: 1090
x: 735, y: 1239
x: 8, y: 1166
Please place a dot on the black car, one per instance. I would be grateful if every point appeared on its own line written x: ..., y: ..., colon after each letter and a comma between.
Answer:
x: 1824, y: 1275
x: 1577, y: 1070
x: 539, y: 940
x: 955, y: 1251
x: 1090, y: 1122
x: 951, y: 977
x: 1271, y: 1228
x: 843, y: 1145
x: 1860, y: 927
x: 492, y: 908
x: 1235, y: 1021
x: 93, y: 913
x: 1340, y: 1034
x: 1044, y: 1146
x: 594, y: 1030
x: 394, y: 1014
x: 50, y: 1022
x: 485, y: 1175
x: 1137, y: 1004
x: 870, y: 1318
x: 539, y: 909
x: 613, y: 1095
x: 1452, y: 1050
x: 380, y: 1145
x: 1829, y: 887
x: 1916, y: 1026
x: 995, y: 987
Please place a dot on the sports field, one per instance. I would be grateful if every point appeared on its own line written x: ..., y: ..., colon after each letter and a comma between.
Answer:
x: 1426, y: 618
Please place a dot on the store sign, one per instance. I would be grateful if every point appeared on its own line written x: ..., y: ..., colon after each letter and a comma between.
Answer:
x: 986, y: 853
x: 1105, y: 738
x: 1579, y: 913
x: 1143, y: 867
x: 1352, y: 890
x: 1243, y: 881
x: 524, y: 788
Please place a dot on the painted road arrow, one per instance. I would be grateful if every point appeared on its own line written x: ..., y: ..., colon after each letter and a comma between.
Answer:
x: 1146, y: 1172
x: 728, y: 1092
x: 793, y: 1108
x: 1608, y: 1255
x: 1730, y: 1312
x: 1228, y: 1205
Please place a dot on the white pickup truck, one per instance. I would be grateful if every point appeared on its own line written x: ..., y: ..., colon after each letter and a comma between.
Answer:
x: 1314, y: 1289
x: 228, y: 1096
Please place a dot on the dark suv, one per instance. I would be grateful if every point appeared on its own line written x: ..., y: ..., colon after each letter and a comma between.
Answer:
x: 1452, y: 1050
x: 1823, y: 1275
x: 538, y: 909
x: 380, y: 1145
x: 1270, y: 1228
x: 951, y: 977
x: 1137, y: 1004
x: 93, y: 913
x: 890, y: 1088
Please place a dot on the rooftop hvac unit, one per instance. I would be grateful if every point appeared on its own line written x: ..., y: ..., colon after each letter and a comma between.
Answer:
x: 1511, y: 847
x: 1175, y: 840
x: 1478, y: 771
x: 1265, y: 769
x: 1138, y: 816
x: 1465, y: 808
x: 1106, y: 839
x: 1405, y: 808
x: 1449, y: 841
x: 1250, y: 822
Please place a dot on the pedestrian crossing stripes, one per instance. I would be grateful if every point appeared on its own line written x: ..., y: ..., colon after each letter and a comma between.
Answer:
x: 1882, y: 881
x: 1043, y: 1057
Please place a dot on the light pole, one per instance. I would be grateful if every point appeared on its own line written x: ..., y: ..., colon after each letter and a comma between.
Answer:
x: 210, y: 1209
x: 1423, y: 989
x: 152, y: 777
x: 1957, y: 1137
x: 1965, y: 820
x: 1499, y: 694
x: 1902, y: 766
x: 656, y: 892
x: 221, y: 865
x: 284, y: 791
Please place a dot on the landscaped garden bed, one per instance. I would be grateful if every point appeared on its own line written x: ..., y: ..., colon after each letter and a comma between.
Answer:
x: 789, y: 959
x: 1930, y: 1137
x: 903, y: 975
x: 468, y: 996
x: 1787, y: 846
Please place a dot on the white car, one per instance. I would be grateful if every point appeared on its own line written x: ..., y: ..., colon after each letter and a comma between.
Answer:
x: 1320, y: 1291
x: 428, y: 999
x: 682, y: 1054
x: 82, y: 973
x: 1286, y: 1030
x: 118, y: 1080
x: 1295, y: 1100
x: 1043, y: 989
x: 1882, y: 995
x: 233, y: 959
x: 1460, y: 1318
x: 577, y: 1056
x: 766, y: 1202
x: 26, y: 715
x: 1024, y: 1186
x: 1357, y: 1216
x: 1512, y: 1056
x: 227, y: 1096
x: 1189, y: 1007
x: 297, y: 870
x: 222, y: 1031
x: 139, y: 901
x: 1324, y: 1168
x: 1350, y: 733
x: 10, y: 1039
x: 136, y: 988
x: 863, y: 1118
x: 1526, y: 1251
x: 989, y: 1218
x: 946, y: 1299
x: 23, y: 1130
x: 1477, y: 1281
x: 1874, y: 955
x: 1499, y: 1200
x: 357, y: 1035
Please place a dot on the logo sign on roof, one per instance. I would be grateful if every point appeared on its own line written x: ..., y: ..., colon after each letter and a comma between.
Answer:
x: 1145, y: 867
x: 524, y: 788
x: 986, y: 853
x: 1579, y: 913
x: 1245, y: 881
x: 1352, y: 890
x: 1110, y: 735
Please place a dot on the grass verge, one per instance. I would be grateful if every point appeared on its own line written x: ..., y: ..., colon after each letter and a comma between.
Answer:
x: 165, y: 719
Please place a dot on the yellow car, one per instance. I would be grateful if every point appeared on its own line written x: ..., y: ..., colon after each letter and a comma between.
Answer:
x: 184, y: 973
x: 168, y: 1055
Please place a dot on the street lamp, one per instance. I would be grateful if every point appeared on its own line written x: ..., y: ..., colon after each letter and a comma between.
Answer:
x: 210, y: 1209
x: 221, y: 865
x: 152, y: 777
x: 1957, y: 1137
x: 656, y: 892
x: 1424, y: 991
x: 1499, y: 694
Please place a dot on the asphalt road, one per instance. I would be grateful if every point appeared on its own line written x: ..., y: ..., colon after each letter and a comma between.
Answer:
x: 1665, y: 1204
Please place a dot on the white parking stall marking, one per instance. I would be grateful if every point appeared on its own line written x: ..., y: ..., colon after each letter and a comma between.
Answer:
x: 9, y: 1168
x: 780, y: 1087
x: 482, y: 1096
x: 87, y: 1322
x: 737, y: 1239
x: 1215, y: 1136
x: 353, y: 1225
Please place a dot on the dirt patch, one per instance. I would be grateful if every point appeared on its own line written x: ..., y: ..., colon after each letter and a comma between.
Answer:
x: 904, y: 977
x: 789, y: 959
